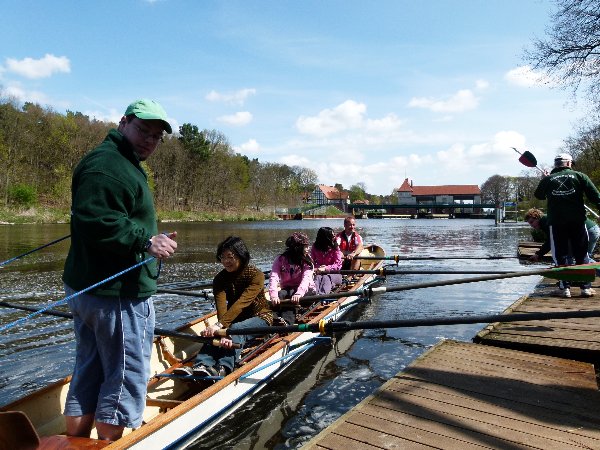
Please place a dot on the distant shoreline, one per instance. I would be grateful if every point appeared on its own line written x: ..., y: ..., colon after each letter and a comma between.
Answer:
x: 47, y: 215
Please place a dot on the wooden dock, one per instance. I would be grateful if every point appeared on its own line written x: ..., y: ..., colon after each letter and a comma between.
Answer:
x: 567, y: 338
x: 532, y: 385
x: 461, y: 396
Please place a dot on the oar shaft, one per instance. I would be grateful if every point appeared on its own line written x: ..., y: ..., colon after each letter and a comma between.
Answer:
x: 203, y: 294
x: 409, y: 323
x: 34, y: 250
x: 416, y: 272
x: 407, y: 287
x: 429, y: 258
x: 157, y: 331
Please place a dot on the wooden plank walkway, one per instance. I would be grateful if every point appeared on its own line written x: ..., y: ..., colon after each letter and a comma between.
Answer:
x: 515, y: 392
x: 464, y: 396
x: 568, y: 338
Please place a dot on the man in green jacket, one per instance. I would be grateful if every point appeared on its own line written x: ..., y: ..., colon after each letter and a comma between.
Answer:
x: 564, y: 188
x: 113, y: 227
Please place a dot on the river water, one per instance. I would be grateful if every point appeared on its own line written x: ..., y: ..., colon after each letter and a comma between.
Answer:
x: 321, y: 386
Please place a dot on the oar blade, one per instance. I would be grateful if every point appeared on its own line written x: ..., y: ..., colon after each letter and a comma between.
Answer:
x: 583, y: 273
x: 528, y: 159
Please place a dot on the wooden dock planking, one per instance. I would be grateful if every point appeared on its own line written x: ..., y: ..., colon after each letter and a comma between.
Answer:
x: 526, y: 249
x: 461, y: 395
x: 569, y: 338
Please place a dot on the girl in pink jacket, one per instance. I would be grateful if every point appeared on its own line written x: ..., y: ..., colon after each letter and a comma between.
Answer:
x: 326, y: 256
x: 292, y: 275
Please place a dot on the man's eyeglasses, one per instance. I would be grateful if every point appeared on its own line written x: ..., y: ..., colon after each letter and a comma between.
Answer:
x: 156, y: 137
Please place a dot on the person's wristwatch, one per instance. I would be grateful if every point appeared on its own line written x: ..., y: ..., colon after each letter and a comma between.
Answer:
x: 148, y: 245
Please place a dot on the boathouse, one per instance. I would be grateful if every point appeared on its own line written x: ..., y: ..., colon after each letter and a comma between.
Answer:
x: 444, y: 200
x: 329, y: 195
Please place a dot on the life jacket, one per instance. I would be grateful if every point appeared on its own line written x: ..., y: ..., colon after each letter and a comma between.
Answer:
x: 347, y: 245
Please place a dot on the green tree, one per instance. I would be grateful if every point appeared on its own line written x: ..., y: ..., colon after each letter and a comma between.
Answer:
x: 569, y: 54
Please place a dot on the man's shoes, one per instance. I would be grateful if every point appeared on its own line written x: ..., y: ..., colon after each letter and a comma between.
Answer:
x: 222, y: 371
x: 587, y: 292
x: 184, y: 370
x: 200, y: 370
x: 566, y: 293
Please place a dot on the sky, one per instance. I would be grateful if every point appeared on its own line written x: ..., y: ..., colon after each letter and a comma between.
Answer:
x: 359, y: 91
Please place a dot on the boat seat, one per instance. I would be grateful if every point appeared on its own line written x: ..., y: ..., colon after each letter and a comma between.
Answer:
x: 17, y: 433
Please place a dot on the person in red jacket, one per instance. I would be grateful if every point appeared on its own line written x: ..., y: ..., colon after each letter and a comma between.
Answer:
x: 350, y: 243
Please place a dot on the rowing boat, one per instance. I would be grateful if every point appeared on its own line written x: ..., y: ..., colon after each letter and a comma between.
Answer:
x: 179, y: 411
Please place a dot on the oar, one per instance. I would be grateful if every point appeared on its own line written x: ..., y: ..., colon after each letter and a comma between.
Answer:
x: 199, y: 284
x: 8, y: 261
x: 428, y: 258
x: 207, y: 294
x: 383, y: 272
x: 580, y: 273
x: 528, y: 159
x: 157, y: 331
x: 328, y: 327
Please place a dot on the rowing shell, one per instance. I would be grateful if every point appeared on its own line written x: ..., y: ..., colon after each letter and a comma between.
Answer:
x: 179, y: 411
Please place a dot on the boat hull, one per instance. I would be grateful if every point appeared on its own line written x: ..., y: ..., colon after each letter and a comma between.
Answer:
x: 175, y: 414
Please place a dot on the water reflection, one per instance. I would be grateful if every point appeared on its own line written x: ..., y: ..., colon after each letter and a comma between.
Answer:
x: 324, y: 384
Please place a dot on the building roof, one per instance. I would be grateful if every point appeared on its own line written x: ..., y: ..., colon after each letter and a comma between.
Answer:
x: 332, y: 193
x: 449, y: 189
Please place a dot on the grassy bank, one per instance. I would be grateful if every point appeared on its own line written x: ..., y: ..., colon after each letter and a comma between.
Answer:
x: 56, y: 215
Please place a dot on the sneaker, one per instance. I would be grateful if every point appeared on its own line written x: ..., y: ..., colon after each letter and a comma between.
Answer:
x: 184, y: 370
x: 566, y: 293
x: 222, y: 371
x: 200, y: 370
x: 587, y: 292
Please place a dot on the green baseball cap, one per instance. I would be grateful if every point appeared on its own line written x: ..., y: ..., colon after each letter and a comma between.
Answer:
x: 149, y: 110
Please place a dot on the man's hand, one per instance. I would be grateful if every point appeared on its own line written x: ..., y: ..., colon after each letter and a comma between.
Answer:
x: 163, y: 245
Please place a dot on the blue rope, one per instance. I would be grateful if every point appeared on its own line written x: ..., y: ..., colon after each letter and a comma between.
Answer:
x: 68, y: 297
x: 34, y: 250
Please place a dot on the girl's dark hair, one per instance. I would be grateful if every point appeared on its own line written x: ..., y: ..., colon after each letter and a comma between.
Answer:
x: 237, y: 247
x: 325, y: 239
x: 294, y: 248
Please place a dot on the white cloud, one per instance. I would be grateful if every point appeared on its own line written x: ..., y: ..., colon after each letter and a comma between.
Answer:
x: 463, y: 100
x: 39, y: 68
x: 525, y: 76
x: 238, y: 119
x: 481, y: 85
x: 234, y: 98
x: 22, y: 95
x: 389, y: 123
x: 348, y: 115
x: 295, y: 160
x: 250, y: 146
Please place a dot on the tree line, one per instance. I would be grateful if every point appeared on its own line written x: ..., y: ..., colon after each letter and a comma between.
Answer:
x: 193, y: 169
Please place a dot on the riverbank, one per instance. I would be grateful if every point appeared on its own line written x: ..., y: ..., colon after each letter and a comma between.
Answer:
x: 41, y: 215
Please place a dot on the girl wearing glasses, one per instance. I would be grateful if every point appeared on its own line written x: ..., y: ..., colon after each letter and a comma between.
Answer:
x: 241, y: 303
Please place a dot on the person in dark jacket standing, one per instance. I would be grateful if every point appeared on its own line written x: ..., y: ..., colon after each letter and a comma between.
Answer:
x: 113, y: 227
x: 564, y: 188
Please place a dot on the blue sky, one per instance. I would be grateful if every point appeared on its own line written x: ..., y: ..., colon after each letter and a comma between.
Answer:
x: 359, y: 91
